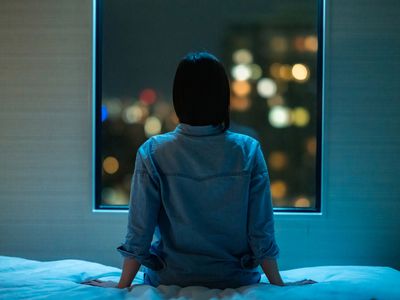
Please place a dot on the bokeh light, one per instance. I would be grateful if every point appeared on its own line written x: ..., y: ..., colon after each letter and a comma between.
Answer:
x: 242, y: 56
x: 104, y: 113
x: 112, y: 196
x: 300, y: 116
x: 256, y: 71
x: 311, y: 145
x: 275, y: 100
x: 241, y: 88
x: 302, y: 202
x: 279, y: 116
x: 110, y: 165
x: 277, y: 160
x: 285, y: 72
x: 148, y: 96
x: 311, y: 43
x: 240, y: 104
x: 278, y: 189
x: 241, y: 72
x: 266, y: 87
x: 274, y: 70
x: 299, y: 43
x: 152, y: 126
x: 133, y: 114
x: 114, y: 108
x: 300, y: 72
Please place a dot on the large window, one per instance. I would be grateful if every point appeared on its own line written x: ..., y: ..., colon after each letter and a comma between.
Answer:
x: 272, y: 51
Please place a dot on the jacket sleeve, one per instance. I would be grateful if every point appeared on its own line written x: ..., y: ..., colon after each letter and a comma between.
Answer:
x: 260, y: 224
x: 144, y: 206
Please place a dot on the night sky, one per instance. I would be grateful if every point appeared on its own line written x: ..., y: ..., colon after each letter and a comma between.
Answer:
x: 144, y: 40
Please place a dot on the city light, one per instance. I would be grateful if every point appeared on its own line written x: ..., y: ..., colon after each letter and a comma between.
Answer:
x: 242, y: 56
x: 311, y: 145
x: 278, y: 189
x: 240, y: 103
x: 152, y: 126
x: 302, y: 202
x: 133, y: 114
x: 299, y: 43
x: 277, y: 160
x: 241, y: 88
x: 279, y: 116
x: 147, y: 96
x: 285, y: 72
x: 256, y: 71
x: 300, y: 72
x: 311, y: 43
x: 241, y: 72
x: 114, y: 196
x: 104, y: 113
x: 266, y: 87
x: 300, y: 116
x: 114, y: 108
x: 110, y: 165
x: 274, y: 70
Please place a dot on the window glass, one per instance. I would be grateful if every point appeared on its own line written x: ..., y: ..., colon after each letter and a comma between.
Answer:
x: 270, y: 51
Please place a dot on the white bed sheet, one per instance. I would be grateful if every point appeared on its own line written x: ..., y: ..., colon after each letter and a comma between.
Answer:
x: 28, y: 279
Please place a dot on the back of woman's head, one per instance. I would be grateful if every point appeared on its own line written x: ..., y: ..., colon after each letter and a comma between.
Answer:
x: 201, y: 90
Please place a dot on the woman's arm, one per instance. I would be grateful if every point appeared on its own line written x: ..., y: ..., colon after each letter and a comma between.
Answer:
x: 270, y: 268
x: 129, y: 270
x: 144, y: 207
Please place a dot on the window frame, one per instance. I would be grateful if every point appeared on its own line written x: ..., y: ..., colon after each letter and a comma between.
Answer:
x: 96, y: 101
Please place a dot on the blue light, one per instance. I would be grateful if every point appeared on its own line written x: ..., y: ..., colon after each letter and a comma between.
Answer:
x: 104, y: 113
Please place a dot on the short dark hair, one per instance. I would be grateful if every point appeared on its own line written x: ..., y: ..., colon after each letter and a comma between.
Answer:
x: 201, y: 90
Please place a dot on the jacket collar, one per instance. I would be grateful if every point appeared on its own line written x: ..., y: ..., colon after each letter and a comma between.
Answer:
x: 199, y: 130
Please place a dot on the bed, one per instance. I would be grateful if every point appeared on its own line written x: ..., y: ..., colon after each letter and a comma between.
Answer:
x: 29, y: 279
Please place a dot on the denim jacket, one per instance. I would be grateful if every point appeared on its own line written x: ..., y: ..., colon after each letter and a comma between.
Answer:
x: 200, y: 209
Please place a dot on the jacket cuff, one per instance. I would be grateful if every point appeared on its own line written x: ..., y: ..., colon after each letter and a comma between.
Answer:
x: 150, y: 260
x: 262, y: 252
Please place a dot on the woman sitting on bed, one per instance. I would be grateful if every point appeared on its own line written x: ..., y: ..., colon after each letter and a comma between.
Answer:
x: 203, y: 192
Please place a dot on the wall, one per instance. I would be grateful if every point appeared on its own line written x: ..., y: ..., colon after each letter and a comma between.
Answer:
x: 45, y: 140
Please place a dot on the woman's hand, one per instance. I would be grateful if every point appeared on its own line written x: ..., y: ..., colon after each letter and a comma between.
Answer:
x: 300, y: 282
x: 100, y: 283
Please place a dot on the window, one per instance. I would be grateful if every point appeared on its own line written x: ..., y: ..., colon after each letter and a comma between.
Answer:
x: 272, y: 51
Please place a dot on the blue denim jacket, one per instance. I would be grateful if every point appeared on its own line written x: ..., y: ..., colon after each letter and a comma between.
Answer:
x: 200, y: 209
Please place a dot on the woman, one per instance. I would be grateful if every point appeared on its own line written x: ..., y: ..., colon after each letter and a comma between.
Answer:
x: 203, y: 191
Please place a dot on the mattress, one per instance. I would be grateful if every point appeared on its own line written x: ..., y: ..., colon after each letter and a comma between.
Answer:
x: 29, y: 279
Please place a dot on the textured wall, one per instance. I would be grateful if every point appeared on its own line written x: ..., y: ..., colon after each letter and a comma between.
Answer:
x: 45, y: 140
